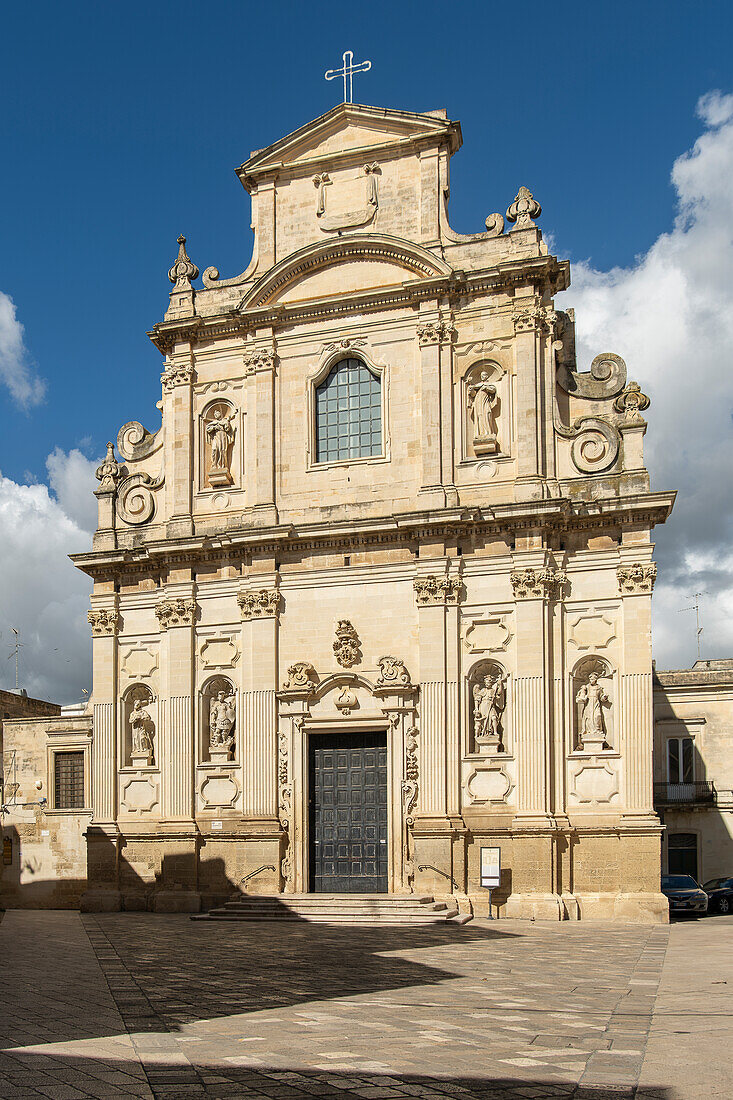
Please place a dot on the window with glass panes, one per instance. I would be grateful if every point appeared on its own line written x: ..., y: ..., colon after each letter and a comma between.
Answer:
x: 681, y: 760
x: 348, y: 413
x: 69, y: 780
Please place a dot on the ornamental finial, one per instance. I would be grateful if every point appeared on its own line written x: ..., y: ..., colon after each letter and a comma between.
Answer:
x: 108, y: 473
x: 183, y: 269
x: 524, y: 209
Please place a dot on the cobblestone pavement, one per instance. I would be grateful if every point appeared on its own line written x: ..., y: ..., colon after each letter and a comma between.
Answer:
x: 139, y: 1005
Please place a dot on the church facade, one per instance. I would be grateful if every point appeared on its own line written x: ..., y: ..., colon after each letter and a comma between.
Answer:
x: 376, y: 594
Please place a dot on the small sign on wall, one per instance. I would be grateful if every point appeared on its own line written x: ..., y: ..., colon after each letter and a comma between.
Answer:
x: 216, y: 825
x: 490, y: 867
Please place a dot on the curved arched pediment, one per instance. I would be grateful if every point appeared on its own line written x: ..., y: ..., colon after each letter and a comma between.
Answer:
x: 369, y: 260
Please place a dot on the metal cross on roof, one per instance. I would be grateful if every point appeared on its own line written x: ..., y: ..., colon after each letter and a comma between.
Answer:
x: 347, y: 72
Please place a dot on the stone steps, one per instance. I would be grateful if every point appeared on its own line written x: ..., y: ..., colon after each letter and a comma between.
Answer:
x: 335, y: 909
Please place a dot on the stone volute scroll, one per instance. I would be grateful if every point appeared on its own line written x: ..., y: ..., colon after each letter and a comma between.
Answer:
x: 488, y: 687
x: 591, y: 683
x: 219, y: 430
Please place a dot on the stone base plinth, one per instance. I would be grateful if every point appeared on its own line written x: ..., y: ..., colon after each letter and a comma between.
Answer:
x: 176, y: 901
x: 534, y: 907
x: 100, y: 900
x: 642, y: 908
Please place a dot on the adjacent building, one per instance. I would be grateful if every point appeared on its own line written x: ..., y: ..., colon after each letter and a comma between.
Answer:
x: 693, y: 768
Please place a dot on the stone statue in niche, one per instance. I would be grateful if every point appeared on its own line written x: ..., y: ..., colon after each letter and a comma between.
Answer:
x: 592, y: 699
x: 483, y: 402
x: 489, y: 703
x: 220, y: 431
x: 222, y: 715
x: 141, y: 730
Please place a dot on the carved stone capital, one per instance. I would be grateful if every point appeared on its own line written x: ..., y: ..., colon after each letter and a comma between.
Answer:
x: 261, y: 603
x: 436, y: 332
x: 301, y: 678
x: 104, y: 622
x: 180, y: 611
x: 545, y: 584
x: 437, y: 590
x: 636, y: 578
x: 259, y: 360
x: 177, y: 376
x: 532, y: 319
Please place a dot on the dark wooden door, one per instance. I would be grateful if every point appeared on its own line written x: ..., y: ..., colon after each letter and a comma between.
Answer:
x: 348, y: 813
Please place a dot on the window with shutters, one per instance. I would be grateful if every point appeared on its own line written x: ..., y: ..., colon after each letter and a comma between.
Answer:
x: 68, y: 783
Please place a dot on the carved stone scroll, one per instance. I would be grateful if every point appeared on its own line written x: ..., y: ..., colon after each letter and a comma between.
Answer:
x: 605, y: 379
x: 392, y: 671
x: 135, y: 501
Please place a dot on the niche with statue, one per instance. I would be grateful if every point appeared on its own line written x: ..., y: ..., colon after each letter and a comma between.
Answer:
x: 483, y: 408
x: 487, y: 682
x: 138, y: 706
x: 219, y: 719
x: 593, y: 705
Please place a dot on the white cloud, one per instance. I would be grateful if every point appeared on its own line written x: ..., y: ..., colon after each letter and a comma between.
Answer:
x: 670, y: 315
x: 43, y: 595
x: 15, y: 370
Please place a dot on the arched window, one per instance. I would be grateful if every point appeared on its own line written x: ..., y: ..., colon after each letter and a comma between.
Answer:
x: 348, y: 413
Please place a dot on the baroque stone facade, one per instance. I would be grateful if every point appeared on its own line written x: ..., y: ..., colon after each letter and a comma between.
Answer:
x: 384, y: 502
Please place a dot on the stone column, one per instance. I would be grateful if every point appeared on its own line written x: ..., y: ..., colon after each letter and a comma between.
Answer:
x: 260, y: 457
x: 178, y: 378
x: 528, y: 333
x: 259, y: 603
x: 102, y: 834
x: 435, y: 335
x: 636, y: 726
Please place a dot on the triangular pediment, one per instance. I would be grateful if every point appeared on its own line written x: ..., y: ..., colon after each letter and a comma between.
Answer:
x: 347, y: 130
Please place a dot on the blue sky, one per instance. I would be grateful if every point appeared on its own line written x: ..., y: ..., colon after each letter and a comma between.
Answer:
x: 122, y: 124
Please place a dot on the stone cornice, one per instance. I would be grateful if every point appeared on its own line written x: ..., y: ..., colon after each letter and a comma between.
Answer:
x: 557, y: 515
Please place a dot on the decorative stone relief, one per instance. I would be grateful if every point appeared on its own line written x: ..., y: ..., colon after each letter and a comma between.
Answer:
x: 486, y: 634
x: 261, y: 603
x: 176, y: 612
x: 484, y: 406
x: 219, y: 653
x: 284, y: 798
x: 591, y: 630
x: 346, y: 700
x: 593, y: 704
x: 177, y: 376
x: 435, y: 590
x: 108, y: 474
x: 183, y: 270
x: 346, y: 343
x: 139, y: 795
x: 436, y: 332
x: 631, y: 404
x: 135, y: 501
x: 392, y: 672
x: 139, y: 663
x: 301, y: 677
x: 636, y: 578
x: 410, y: 784
x: 594, y: 782
x: 487, y: 682
x: 219, y: 791
x: 104, y: 622
x: 349, y: 219
x: 219, y: 430
x: 524, y: 209
x: 346, y: 646
x: 545, y: 583
x: 488, y: 783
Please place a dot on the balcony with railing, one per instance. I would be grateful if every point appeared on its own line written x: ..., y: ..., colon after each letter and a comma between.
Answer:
x: 702, y: 793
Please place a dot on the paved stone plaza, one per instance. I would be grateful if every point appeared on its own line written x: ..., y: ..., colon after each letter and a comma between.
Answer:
x: 138, y: 1005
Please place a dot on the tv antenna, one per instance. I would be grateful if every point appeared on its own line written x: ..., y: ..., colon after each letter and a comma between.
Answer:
x: 695, y: 606
x: 16, y: 648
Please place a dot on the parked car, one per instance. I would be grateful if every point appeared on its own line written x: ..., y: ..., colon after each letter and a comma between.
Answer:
x: 684, y: 894
x: 720, y: 894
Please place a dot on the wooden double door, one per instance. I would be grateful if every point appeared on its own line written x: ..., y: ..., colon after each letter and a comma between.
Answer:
x: 348, y: 813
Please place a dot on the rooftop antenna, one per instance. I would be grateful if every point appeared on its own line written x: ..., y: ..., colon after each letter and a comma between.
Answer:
x: 16, y: 648
x: 346, y: 72
x: 695, y: 606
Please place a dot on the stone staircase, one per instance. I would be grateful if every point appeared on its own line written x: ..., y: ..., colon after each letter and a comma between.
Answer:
x: 337, y: 909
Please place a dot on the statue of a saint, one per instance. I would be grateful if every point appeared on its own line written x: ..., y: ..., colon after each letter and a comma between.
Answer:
x: 489, y: 701
x: 220, y: 433
x: 593, y: 699
x: 482, y: 402
x: 140, y: 726
x: 222, y: 714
